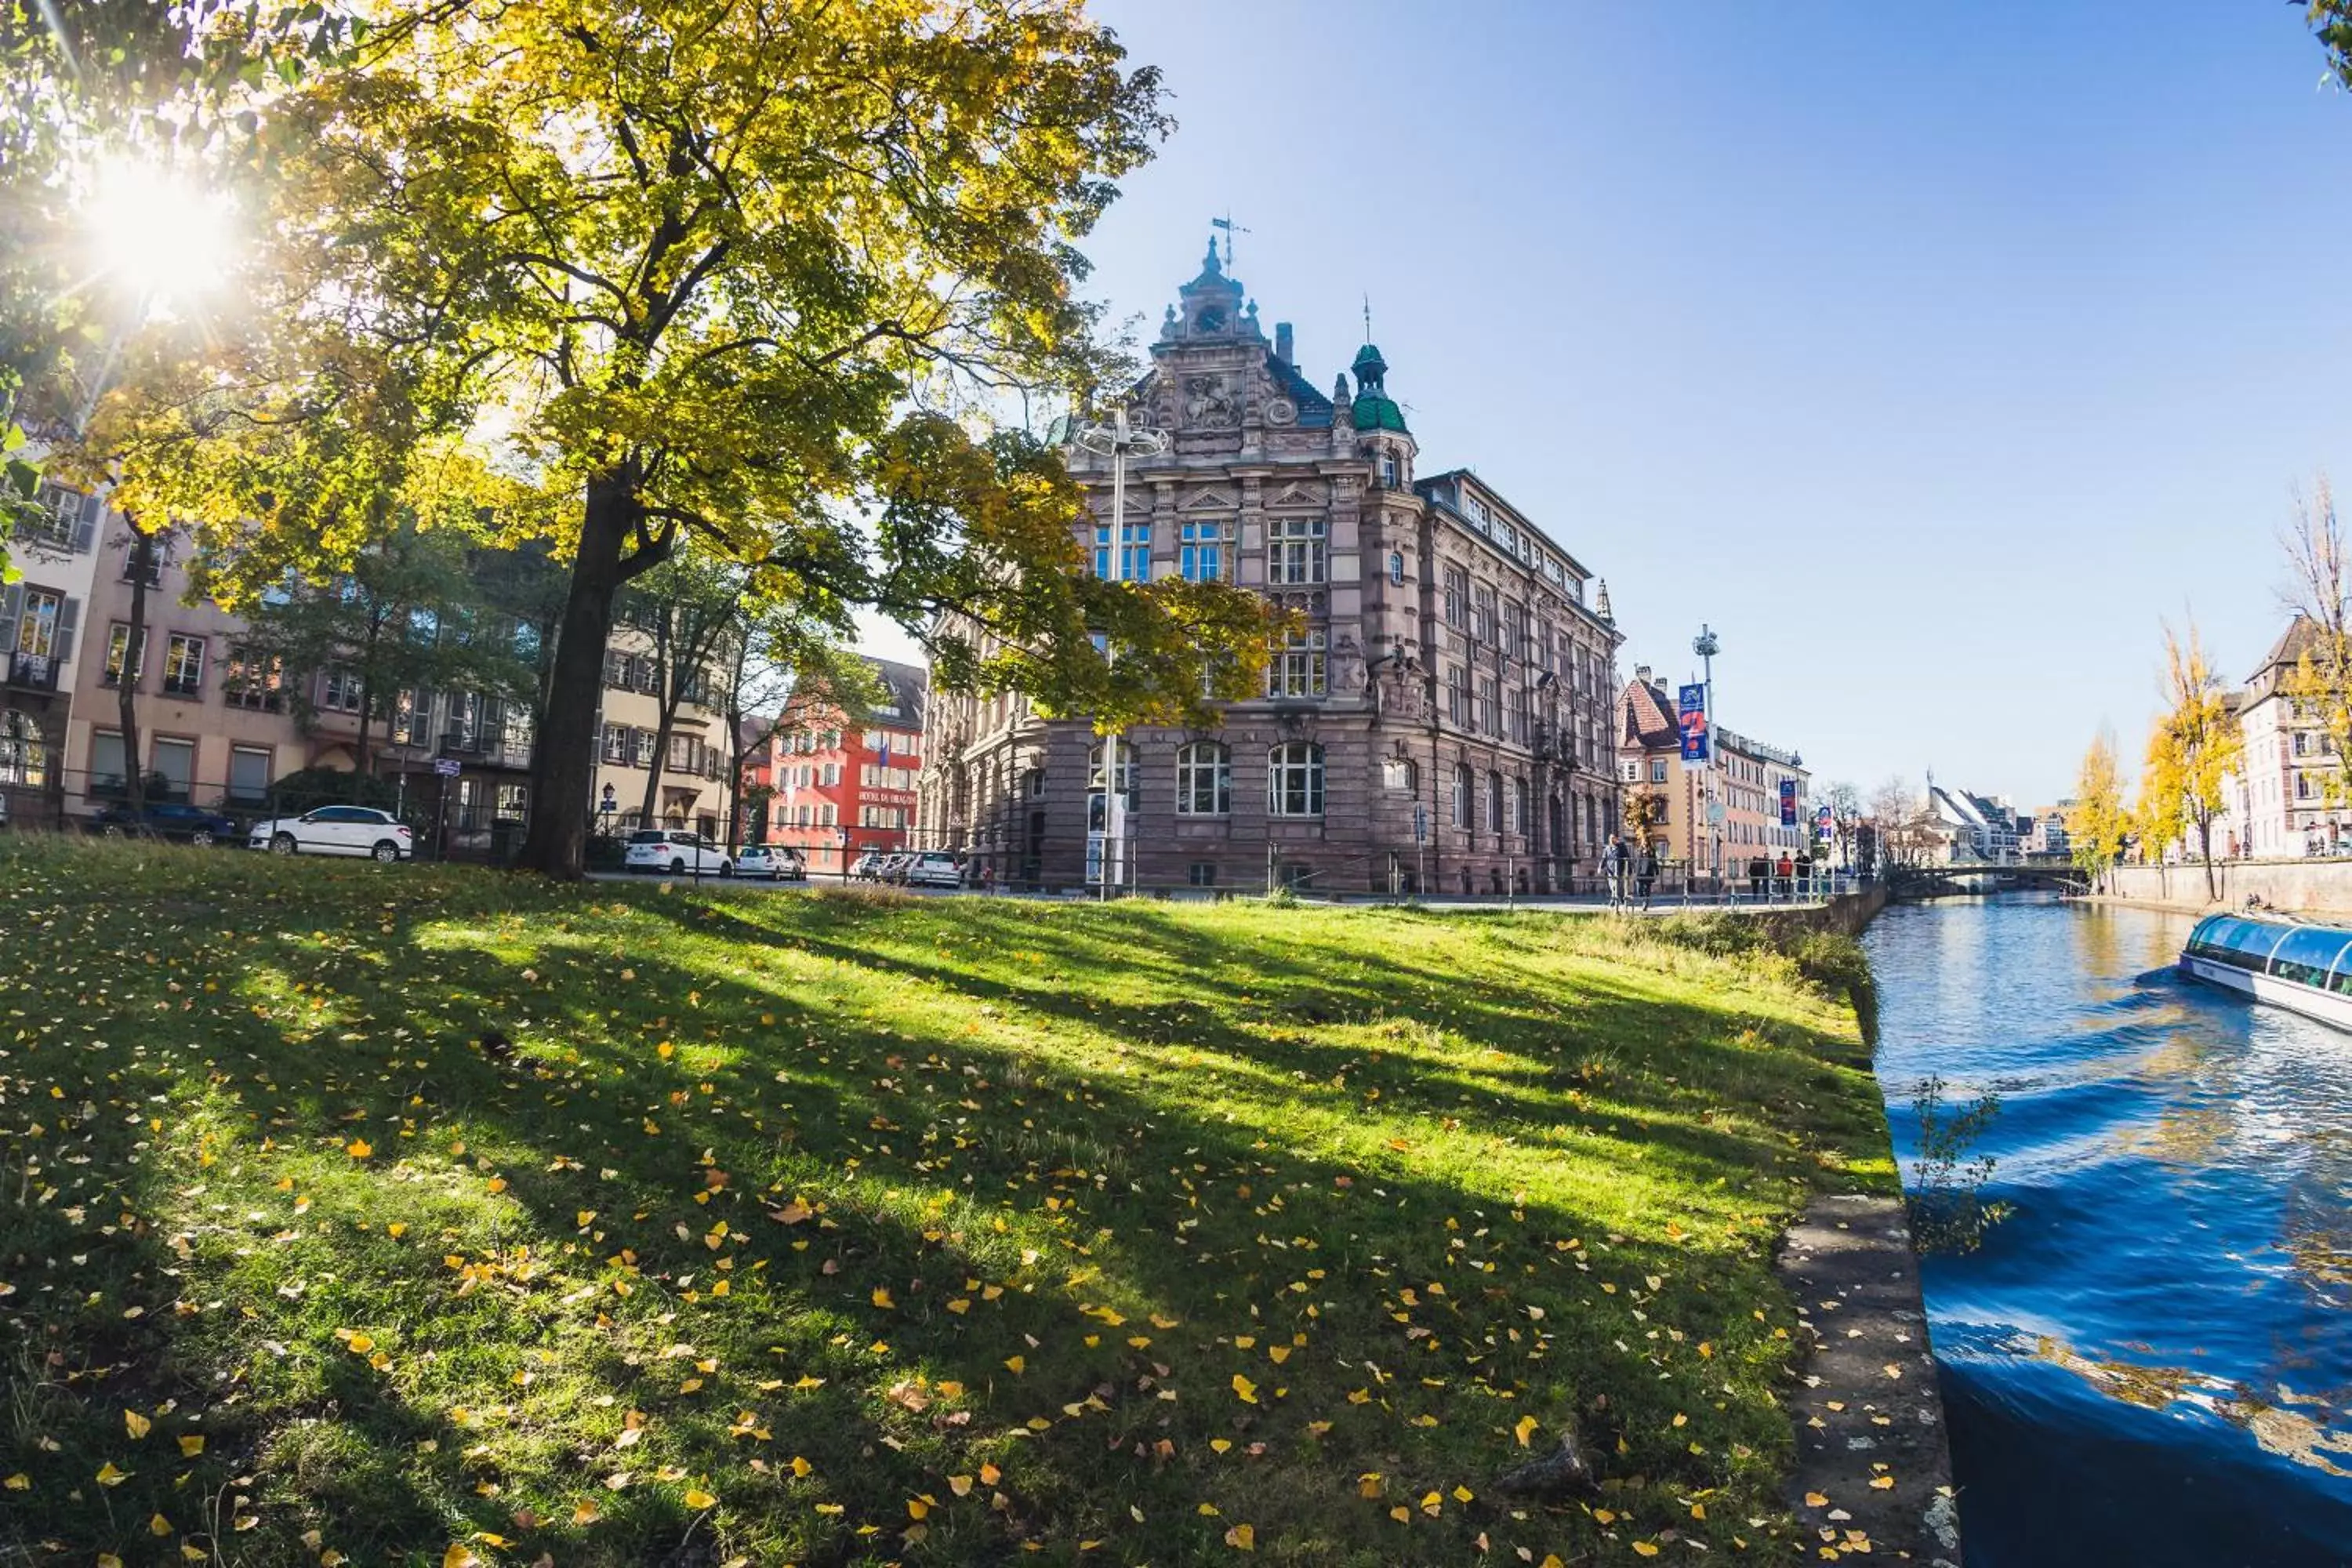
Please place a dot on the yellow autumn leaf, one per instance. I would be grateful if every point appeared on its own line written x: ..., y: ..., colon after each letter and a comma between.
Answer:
x: 1644, y: 1549
x: 882, y: 1297
x: 1241, y: 1538
x: 586, y: 1512
x: 108, y: 1476
x: 1015, y: 1364
x: 1815, y: 1499
x: 135, y: 1424
x: 960, y: 1485
x: 1525, y: 1429
x: 191, y: 1445
x: 158, y: 1525
x: 1244, y: 1389
x: 359, y: 1148
x: 1882, y: 1483
x: 698, y: 1498
x: 19, y: 1482
x: 460, y: 1555
x: 990, y: 1475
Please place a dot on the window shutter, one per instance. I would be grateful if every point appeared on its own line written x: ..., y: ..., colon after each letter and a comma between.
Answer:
x: 67, y: 614
x: 12, y: 605
x: 80, y: 521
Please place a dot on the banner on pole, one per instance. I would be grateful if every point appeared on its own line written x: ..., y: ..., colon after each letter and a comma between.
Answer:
x: 1787, y: 803
x: 1693, y: 726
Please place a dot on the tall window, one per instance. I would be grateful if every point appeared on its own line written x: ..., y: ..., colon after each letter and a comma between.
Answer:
x: 1293, y: 549
x: 1462, y: 788
x: 1200, y: 553
x: 1493, y: 802
x: 121, y: 657
x: 1457, y: 596
x: 1205, y: 780
x: 339, y: 689
x: 1543, y: 645
x: 1515, y: 714
x: 1457, y: 694
x: 1296, y: 667
x: 1520, y: 824
x: 184, y: 664
x: 1131, y: 562
x: 1294, y: 780
x: 40, y: 627
x: 23, y: 754
x: 1482, y: 613
x: 1396, y: 568
x: 1490, y: 706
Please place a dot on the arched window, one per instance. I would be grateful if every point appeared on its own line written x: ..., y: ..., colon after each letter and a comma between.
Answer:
x: 1493, y: 802
x: 1294, y: 780
x: 1399, y: 773
x: 1205, y: 780
x: 1461, y: 794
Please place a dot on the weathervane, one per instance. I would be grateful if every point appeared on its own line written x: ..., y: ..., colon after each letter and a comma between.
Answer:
x: 1367, y: 318
x: 1231, y: 228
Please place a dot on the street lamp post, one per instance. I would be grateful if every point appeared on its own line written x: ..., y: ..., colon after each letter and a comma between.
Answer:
x: 1706, y: 645
x: 1118, y: 441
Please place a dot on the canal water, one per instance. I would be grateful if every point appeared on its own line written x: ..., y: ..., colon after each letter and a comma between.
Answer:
x: 2149, y: 1362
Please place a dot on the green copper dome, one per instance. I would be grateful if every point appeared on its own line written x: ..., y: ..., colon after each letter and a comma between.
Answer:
x: 1373, y: 408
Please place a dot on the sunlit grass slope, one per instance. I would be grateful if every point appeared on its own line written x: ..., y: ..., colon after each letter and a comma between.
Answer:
x: 833, y: 1230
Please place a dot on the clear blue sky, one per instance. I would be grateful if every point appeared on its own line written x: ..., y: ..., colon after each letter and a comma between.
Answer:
x: 1932, y: 355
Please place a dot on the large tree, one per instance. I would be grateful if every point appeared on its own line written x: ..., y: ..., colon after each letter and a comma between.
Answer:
x: 759, y: 275
x: 2196, y: 744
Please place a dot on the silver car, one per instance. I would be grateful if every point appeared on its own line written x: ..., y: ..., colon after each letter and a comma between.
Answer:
x: 774, y: 862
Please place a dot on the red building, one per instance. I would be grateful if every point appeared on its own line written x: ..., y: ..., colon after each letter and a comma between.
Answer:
x: 838, y: 788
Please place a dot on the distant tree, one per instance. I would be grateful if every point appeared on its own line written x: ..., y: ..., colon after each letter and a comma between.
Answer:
x: 692, y: 608
x: 1844, y: 800
x: 1894, y: 810
x: 2319, y: 593
x: 2097, y: 824
x: 409, y: 615
x: 2196, y: 744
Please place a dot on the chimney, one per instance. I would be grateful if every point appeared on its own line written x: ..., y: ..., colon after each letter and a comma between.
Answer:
x: 1282, y: 341
x: 1642, y: 674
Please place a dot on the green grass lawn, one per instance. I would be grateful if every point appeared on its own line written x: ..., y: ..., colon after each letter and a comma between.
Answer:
x: 845, y: 1228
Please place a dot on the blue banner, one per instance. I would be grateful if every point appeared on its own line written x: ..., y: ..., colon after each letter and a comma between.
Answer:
x: 1693, y: 725
x: 1787, y: 803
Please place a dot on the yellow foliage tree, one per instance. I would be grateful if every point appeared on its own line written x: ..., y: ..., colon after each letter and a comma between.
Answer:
x: 2096, y: 824
x: 2195, y: 746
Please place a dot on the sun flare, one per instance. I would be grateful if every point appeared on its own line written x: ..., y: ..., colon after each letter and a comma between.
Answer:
x: 158, y: 236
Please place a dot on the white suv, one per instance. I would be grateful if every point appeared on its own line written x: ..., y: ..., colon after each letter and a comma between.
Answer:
x: 676, y: 852
x: 334, y: 830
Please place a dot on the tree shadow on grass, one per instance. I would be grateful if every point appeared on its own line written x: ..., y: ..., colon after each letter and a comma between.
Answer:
x: 914, y: 1216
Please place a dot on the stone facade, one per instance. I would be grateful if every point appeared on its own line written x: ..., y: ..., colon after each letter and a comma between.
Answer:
x: 1455, y: 679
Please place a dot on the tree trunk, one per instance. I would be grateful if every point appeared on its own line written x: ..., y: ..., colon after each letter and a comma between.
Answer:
x: 662, y: 728
x: 134, y: 657
x: 563, y: 767
x: 359, y: 751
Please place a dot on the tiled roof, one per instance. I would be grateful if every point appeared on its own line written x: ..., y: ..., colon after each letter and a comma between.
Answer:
x: 1647, y: 722
x: 1314, y: 408
x: 2299, y: 638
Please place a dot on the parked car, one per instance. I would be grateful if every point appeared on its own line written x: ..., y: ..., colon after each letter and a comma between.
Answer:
x: 168, y: 819
x: 334, y: 830
x: 893, y: 867
x: 933, y: 868
x: 677, y: 850
x: 776, y: 862
x: 867, y: 867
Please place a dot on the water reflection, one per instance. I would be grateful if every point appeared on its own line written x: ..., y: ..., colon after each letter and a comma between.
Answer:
x: 2150, y: 1361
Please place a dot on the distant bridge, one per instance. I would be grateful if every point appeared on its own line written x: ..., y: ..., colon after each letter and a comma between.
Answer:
x: 1969, y: 877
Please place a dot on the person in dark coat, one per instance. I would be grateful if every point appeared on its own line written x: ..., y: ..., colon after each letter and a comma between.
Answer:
x: 1649, y: 872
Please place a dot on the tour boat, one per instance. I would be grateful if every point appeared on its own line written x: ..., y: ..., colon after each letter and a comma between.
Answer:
x: 2305, y: 968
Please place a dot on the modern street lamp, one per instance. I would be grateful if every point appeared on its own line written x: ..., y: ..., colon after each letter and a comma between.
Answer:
x: 1118, y: 441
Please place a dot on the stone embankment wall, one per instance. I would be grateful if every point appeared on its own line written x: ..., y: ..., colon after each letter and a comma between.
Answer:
x: 2311, y: 886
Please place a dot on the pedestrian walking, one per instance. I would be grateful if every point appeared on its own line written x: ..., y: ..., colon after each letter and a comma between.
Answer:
x: 1648, y: 878
x: 1788, y: 870
x: 1613, y: 868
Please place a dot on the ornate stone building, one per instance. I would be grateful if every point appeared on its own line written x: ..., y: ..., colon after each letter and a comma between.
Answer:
x: 1445, y: 723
